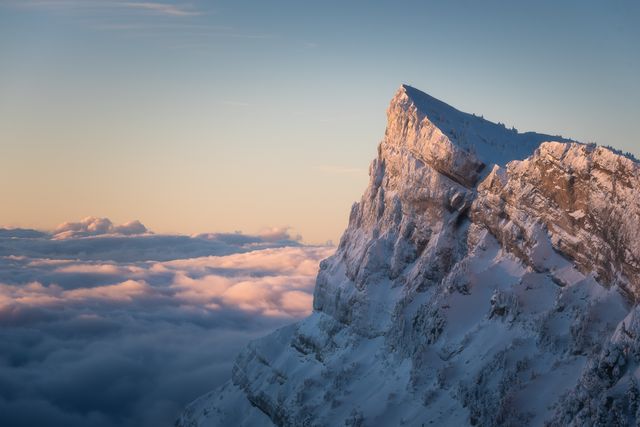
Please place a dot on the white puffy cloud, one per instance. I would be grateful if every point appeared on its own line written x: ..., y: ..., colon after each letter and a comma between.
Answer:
x: 130, y: 228
x: 278, y: 233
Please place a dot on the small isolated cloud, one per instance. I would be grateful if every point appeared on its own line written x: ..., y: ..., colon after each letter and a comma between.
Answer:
x: 92, y: 226
x: 126, y: 330
x: 273, y: 234
x: 130, y: 228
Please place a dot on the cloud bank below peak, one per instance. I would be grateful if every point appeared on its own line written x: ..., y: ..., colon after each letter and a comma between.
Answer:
x: 95, y: 238
x: 108, y: 329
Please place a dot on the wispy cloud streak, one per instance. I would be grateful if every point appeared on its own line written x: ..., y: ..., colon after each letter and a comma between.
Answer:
x: 182, y: 24
x: 161, y: 8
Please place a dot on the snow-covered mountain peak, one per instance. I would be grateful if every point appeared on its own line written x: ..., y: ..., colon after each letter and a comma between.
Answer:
x: 459, y: 134
x: 486, y: 277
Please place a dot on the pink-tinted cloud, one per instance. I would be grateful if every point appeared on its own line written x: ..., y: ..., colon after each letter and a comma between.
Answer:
x: 130, y: 228
x: 288, y: 260
x: 98, y: 268
x: 93, y: 226
x: 278, y: 233
x: 297, y: 302
x: 37, y: 295
x: 123, y: 292
x: 102, y: 331
x: 284, y: 296
x: 271, y: 282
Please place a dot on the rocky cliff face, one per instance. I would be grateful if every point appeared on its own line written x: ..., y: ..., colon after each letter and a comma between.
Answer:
x: 485, y: 278
x: 585, y: 197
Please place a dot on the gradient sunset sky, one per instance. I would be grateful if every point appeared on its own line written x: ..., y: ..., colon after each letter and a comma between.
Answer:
x: 239, y: 115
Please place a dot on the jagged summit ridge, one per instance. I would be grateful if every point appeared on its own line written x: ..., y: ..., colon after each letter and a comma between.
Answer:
x: 489, y: 142
x: 462, y: 293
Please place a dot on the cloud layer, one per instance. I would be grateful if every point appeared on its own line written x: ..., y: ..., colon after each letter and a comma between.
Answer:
x: 90, y: 338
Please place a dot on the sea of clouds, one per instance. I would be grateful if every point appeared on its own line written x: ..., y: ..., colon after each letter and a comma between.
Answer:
x: 107, y: 325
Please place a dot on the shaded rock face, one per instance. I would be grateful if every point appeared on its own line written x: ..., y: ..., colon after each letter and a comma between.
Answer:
x: 466, y: 290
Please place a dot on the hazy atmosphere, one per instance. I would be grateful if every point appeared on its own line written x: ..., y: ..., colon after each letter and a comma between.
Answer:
x: 174, y: 173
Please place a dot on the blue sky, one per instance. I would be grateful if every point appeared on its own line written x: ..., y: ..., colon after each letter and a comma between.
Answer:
x: 227, y: 115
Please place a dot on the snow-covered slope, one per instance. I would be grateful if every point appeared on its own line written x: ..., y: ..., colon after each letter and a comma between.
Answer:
x: 466, y: 290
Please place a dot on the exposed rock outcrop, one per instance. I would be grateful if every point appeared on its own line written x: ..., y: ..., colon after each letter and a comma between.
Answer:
x: 586, y: 198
